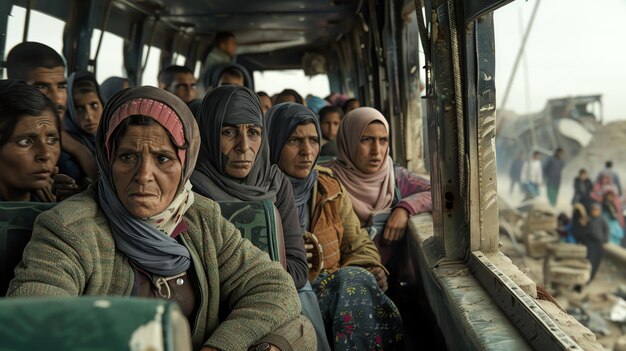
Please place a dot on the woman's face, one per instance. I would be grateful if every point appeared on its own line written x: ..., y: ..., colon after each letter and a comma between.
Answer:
x: 30, y: 154
x: 371, y: 150
x: 297, y: 157
x: 240, y: 144
x: 146, y: 170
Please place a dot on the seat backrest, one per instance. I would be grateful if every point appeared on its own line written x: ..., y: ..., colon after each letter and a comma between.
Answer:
x: 259, y: 222
x: 92, y: 323
x: 16, y: 225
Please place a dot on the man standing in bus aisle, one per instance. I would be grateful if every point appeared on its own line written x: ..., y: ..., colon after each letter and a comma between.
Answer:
x: 552, y: 174
x: 608, y: 168
x: 178, y: 80
x: 531, y: 176
x: 224, y: 50
x: 42, y: 67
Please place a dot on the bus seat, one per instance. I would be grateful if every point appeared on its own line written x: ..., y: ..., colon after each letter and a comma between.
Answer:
x: 324, y: 159
x: 92, y: 323
x: 259, y: 222
x: 16, y: 225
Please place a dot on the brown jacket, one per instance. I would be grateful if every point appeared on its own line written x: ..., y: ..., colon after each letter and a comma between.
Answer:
x: 337, y: 227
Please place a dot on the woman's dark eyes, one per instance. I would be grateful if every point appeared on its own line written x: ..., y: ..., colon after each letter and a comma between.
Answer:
x: 164, y: 159
x: 254, y: 132
x: 24, y: 142
x: 229, y: 132
x: 127, y: 157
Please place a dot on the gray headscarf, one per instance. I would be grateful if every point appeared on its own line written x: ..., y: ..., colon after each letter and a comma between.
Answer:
x: 282, y: 120
x: 232, y: 105
x: 142, y: 243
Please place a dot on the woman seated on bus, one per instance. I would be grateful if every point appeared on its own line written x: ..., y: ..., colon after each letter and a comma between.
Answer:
x: 139, y: 230
x: 383, y: 195
x: 366, y: 319
x: 233, y: 165
x: 29, y: 143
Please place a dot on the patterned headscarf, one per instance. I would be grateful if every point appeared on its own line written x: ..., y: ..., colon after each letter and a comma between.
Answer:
x: 147, y: 241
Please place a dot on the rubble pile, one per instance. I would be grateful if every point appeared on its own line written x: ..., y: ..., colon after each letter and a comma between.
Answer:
x: 607, y: 144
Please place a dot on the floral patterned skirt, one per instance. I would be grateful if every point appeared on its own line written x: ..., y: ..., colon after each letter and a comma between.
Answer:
x: 362, y: 317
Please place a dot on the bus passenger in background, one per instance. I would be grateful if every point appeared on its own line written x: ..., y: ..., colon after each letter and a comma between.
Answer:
x: 178, y: 80
x: 383, y: 195
x: 112, y: 85
x: 315, y: 103
x: 224, y: 50
x: 330, y: 117
x: 42, y: 67
x: 350, y: 105
x: 366, y: 319
x: 84, y: 110
x: 234, y: 165
x: 230, y: 76
x: 30, y: 146
x: 266, y: 101
x: 289, y: 95
x: 140, y: 223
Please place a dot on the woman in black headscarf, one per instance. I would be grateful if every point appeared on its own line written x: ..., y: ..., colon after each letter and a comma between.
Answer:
x: 139, y: 230
x: 233, y: 164
x: 325, y: 209
x: 231, y: 117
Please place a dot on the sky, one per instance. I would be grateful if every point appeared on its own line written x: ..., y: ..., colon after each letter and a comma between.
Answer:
x: 575, y: 48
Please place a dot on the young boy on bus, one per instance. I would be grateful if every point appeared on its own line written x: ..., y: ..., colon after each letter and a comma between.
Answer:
x: 330, y: 117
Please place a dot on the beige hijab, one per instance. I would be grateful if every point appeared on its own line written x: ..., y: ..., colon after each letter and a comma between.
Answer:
x: 369, y: 192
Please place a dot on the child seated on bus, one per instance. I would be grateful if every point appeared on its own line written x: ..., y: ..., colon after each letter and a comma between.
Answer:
x: 330, y: 117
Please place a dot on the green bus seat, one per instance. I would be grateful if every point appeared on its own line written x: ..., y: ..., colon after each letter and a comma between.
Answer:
x: 324, y: 159
x: 16, y: 224
x: 92, y: 323
x: 259, y: 222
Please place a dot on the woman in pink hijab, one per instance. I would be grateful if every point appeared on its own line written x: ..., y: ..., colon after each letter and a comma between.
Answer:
x: 603, y: 185
x: 383, y: 195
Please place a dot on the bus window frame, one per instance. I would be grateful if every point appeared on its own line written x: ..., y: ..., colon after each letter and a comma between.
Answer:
x: 461, y: 132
